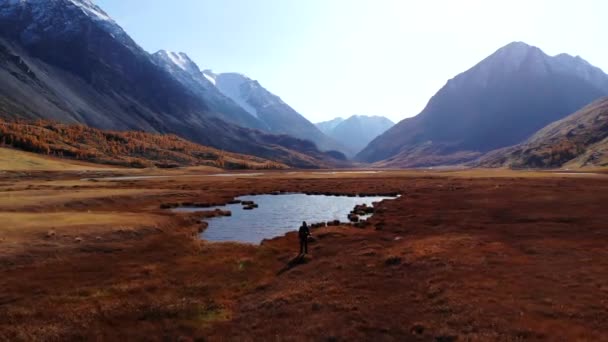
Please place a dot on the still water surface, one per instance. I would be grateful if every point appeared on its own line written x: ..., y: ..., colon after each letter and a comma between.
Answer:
x: 277, y: 215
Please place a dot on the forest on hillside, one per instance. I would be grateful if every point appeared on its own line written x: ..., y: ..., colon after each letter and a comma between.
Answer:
x: 123, y: 148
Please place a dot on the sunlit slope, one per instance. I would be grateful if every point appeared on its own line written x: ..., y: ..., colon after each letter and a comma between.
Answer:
x: 14, y: 160
x: 579, y: 140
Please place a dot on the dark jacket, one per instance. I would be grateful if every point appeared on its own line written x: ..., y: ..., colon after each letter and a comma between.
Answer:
x: 304, y: 232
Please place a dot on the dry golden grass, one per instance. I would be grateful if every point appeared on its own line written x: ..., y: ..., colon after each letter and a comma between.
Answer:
x: 438, y: 172
x: 41, y: 198
x: 28, y: 232
x: 14, y: 160
x: 19, y: 223
x: 473, y: 254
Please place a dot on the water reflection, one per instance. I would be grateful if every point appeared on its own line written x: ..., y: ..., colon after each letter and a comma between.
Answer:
x: 277, y: 215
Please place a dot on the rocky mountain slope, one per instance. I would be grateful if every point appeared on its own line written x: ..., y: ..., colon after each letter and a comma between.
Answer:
x: 357, y: 131
x: 579, y: 140
x: 68, y: 61
x: 276, y: 115
x: 500, y: 102
x: 183, y: 69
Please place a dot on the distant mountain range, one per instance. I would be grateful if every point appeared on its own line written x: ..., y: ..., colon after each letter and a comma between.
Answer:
x: 579, y: 140
x: 328, y: 126
x: 240, y: 100
x: 183, y: 69
x: 500, y: 102
x: 276, y: 116
x: 357, y: 131
x: 68, y: 61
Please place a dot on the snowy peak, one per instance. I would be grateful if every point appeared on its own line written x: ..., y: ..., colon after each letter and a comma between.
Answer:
x: 90, y: 9
x: 32, y: 21
x: 41, y: 6
x: 202, y: 84
x: 247, y: 93
x: 277, y: 116
x: 210, y: 76
x: 179, y: 60
x: 247, y: 89
x: 236, y: 87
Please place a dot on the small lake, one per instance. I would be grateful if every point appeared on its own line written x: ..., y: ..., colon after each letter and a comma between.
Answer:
x: 277, y: 215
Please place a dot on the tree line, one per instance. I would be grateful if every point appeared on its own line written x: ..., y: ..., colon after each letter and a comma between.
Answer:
x: 127, y: 148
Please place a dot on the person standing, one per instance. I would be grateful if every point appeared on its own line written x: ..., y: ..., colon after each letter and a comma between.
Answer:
x: 304, y: 233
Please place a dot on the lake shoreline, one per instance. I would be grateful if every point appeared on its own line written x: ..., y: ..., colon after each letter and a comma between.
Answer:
x: 455, y: 255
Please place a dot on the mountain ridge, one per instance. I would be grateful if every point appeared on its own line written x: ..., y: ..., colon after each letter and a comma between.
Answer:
x: 578, y: 140
x: 241, y: 100
x: 279, y: 117
x: 327, y: 126
x: 499, y: 102
x: 190, y: 76
x: 356, y: 131
x: 66, y: 61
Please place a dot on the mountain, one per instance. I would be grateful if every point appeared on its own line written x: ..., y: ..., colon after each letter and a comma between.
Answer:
x: 68, y: 61
x: 500, y: 102
x: 328, y: 126
x: 183, y: 69
x: 277, y: 116
x: 357, y: 131
x: 579, y: 140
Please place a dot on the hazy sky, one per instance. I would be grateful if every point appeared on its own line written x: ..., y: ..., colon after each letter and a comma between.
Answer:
x: 329, y: 58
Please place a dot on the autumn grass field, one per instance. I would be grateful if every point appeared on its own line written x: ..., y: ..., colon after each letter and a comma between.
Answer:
x: 15, y: 160
x: 461, y: 255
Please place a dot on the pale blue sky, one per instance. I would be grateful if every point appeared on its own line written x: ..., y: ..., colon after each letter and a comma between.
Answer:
x: 329, y: 58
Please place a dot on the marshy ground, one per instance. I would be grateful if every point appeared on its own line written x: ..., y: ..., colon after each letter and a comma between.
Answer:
x: 469, y: 255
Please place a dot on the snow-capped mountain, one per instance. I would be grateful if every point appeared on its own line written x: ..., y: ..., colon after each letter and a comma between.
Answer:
x: 499, y: 102
x: 231, y: 88
x: 357, y: 131
x: 277, y: 115
x: 80, y: 65
x: 36, y: 19
x: 188, y: 74
x: 68, y: 61
x: 240, y: 100
x: 179, y: 62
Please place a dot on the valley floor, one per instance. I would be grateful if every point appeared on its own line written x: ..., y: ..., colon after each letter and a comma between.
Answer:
x: 468, y: 255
